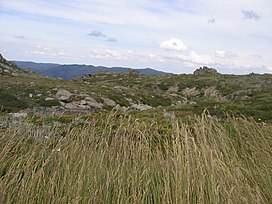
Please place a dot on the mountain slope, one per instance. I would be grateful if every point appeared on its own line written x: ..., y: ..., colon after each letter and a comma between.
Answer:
x: 184, y: 94
x: 68, y: 72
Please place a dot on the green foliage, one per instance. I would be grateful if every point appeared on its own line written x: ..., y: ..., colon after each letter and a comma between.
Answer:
x: 163, y: 86
x: 42, y: 102
x: 155, y: 100
x: 10, y: 102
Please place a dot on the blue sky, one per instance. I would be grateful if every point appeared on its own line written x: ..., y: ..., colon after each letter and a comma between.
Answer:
x: 175, y: 35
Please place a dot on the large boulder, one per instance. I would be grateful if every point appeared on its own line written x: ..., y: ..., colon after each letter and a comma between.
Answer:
x: 63, y: 95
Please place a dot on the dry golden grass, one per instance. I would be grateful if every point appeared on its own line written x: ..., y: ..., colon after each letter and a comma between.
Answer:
x: 118, y: 159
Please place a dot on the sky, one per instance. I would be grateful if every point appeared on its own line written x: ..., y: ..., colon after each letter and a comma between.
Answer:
x: 176, y: 36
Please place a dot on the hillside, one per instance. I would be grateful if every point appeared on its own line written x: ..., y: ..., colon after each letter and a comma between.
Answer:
x: 184, y: 94
x: 68, y: 72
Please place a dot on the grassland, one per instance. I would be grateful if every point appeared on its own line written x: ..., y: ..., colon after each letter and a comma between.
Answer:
x: 116, y: 158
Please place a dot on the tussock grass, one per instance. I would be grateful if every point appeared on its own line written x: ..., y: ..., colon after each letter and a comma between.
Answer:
x: 118, y: 159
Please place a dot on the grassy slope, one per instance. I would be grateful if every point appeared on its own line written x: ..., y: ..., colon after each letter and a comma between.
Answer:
x: 119, y: 159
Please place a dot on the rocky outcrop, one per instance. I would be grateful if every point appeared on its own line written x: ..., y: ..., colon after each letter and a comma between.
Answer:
x: 205, y: 71
x: 8, y: 68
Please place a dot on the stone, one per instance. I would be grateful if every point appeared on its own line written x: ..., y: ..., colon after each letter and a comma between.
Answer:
x: 6, y: 71
x: 83, y: 102
x: 49, y: 99
x: 121, y: 108
x: 76, y: 105
x: 95, y: 104
x: 109, y: 102
x: 14, y: 74
x: 18, y: 115
x: 63, y: 95
x: 62, y: 103
x: 71, y: 105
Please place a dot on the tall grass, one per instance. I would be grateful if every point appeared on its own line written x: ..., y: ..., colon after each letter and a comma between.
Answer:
x: 118, y: 159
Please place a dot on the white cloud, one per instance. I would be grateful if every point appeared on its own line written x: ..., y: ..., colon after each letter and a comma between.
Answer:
x: 46, y: 52
x: 224, y: 54
x: 189, y: 64
x: 173, y: 44
x: 269, y: 68
x: 110, y: 54
x: 220, y: 53
x: 193, y: 57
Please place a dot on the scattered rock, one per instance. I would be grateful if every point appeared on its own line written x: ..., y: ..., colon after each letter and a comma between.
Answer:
x: 63, y: 95
x: 30, y: 95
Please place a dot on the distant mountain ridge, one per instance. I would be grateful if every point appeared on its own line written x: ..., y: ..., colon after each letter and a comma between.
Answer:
x: 70, y: 71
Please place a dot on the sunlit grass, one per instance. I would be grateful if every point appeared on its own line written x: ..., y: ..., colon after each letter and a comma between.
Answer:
x: 118, y: 159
